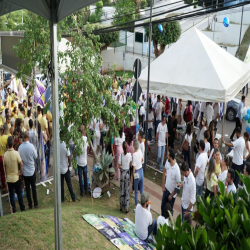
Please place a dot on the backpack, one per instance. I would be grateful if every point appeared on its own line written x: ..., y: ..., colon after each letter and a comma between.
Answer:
x: 185, y: 115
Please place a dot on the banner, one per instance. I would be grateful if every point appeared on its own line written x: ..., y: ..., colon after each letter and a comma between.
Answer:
x: 121, y: 232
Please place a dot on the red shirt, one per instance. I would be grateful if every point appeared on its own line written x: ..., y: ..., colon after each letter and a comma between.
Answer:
x: 167, y: 106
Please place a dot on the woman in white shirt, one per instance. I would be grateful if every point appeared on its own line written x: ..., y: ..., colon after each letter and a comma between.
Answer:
x: 246, y: 152
x: 212, y: 180
x: 98, y: 125
x: 137, y: 170
x: 224, y: 169
x: 207, y: 144
x: 203, y: 128
x: 179, y: 109
x: 124, y: 163
x: 118, y: 150
x: 187, y: 138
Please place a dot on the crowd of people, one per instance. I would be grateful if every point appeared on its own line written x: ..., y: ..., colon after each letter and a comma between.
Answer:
x: 210, y: 165
x: 26, y: 137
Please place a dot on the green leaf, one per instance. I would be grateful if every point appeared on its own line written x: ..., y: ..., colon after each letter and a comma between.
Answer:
x: 245, y: 213
x: 207, y: 219
x: 182, y: 239
x: 246, y: 225
x: 245, y: 243
x: 222, y: 188
x: 178, y: 222
x: 235, y: 222
x: 228, y: 217
x: 101, y: 176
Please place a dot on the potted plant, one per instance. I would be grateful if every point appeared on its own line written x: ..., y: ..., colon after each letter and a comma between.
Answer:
x: 102, y: 169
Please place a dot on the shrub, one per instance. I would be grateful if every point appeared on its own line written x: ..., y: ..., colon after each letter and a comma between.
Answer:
x: 222, y: 223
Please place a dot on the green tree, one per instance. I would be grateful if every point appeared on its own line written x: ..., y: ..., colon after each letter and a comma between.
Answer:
x: 3, y: 27
x: 11, y: 25
x: 96, y: 16
x: 106, y: 38
x: 34, y: 47
x: 107, y: 3
x: 171, y: 33
x: 125, y: 11
x: 84, y: 89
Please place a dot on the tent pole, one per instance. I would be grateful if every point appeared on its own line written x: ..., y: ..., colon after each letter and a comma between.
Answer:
x: 149, y: 59
x: 240, y: 31
x: 223, y: 124
x: 55, y: 124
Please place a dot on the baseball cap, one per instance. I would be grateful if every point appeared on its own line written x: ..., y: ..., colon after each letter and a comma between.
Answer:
x: 144, y: 198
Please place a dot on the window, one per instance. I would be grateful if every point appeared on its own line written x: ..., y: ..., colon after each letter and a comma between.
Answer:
x: 138, y: 37
x: 145, y: 39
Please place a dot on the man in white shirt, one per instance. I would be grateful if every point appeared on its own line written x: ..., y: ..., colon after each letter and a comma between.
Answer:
x: 202, y: 108
x: 158, y: 110
x: 238, y: 146
x: 189, y: 190
x: 229, y: 183
x: 150, y: 122
x: 216, y: 115
x: 196, y: 112
x: 65, y: 164
x: 122, y: 98
x: 144, y: 223
x: 200, y: 166
x: 216, y: 145
x: 170, y: 177
x: 82, y: 163
x: 142, y: 113
x: 208, y: 113
x: 141, y: 144
x: 162, y: 141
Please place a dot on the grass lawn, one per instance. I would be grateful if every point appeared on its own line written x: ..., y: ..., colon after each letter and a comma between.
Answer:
x: 244, y: 45
x: 34, y: 229
x: 120, y: 74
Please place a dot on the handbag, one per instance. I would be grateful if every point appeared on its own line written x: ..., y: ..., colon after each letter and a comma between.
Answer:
x: 136, y: 176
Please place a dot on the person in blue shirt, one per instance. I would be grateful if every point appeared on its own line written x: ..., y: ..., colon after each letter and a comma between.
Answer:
x: 28, y: 155
x: 239, y: 117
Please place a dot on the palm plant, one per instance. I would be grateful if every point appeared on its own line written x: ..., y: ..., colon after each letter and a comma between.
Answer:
x: 104, y: 170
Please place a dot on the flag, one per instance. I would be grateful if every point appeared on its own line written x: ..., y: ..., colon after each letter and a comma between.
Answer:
x: 38, y: 93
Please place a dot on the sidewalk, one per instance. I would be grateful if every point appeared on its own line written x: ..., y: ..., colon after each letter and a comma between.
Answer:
x: 153, y: 189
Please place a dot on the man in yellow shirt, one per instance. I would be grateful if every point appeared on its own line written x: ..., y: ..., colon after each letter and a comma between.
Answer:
x: 8, y: 121
x: 39, y: 113
x: 26, y: 121
x: 9, y: 97
x: 21, y: 114
x: 11, y: 162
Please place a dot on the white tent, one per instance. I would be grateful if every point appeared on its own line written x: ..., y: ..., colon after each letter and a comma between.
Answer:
x: 196, y: 68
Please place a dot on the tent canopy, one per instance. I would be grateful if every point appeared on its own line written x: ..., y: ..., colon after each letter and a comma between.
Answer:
x: 196, y: 68
x: 43, y: 7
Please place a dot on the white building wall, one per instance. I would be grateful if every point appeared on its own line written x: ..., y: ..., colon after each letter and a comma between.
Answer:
x: 111, y: 57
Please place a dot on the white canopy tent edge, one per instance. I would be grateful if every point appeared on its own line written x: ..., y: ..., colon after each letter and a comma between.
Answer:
x: 203, y: 94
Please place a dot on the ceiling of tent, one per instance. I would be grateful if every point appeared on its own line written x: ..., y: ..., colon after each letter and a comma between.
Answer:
x: 42, y: 7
